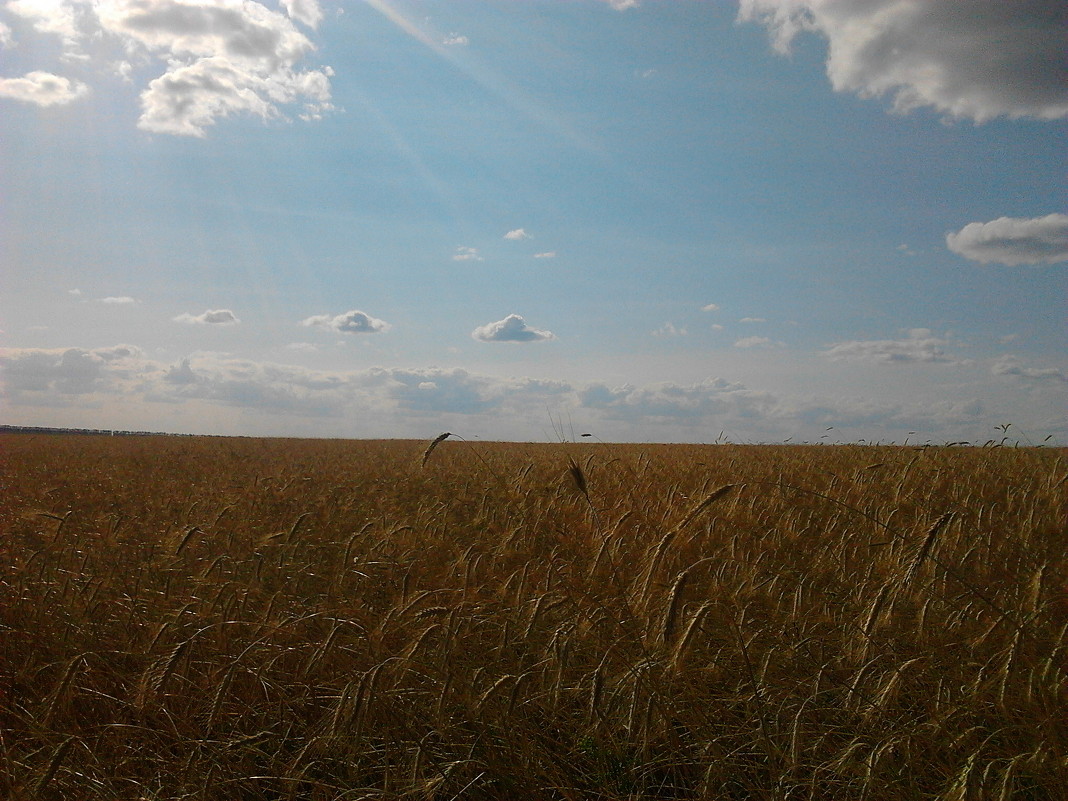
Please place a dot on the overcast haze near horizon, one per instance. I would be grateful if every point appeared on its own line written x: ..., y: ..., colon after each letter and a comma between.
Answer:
x: 648, y: 221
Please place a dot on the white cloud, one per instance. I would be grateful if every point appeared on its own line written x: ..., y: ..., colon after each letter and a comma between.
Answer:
x: 210, y: 317
x: 42, y: 89
x: 623, y: 5
x: 548, y: 254
x: 710, y: 307
x: 669, y: 330
x: 219, y: 57
x: 58, y: 17
x: 974, y: 59
x: 307, y: 12
x: 716, y: 327
x: 466, y: 254
x: 118, y: 300
x: 713, y: 397
x: 351, y: 322
x: 1011, y: 366
x: 517, y: 234
x: 753, y: 342
x: 53, y: 377
x: 1013, y: 240
x: 74, y: 292
x: 109, y: 385
x: 921, y: 345
x: 456, y: 40
x: 6, y: 39
x: 511, y: 329
x: 752, y: 320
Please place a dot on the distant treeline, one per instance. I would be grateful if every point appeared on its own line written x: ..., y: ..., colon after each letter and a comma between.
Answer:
x: 87, y: 431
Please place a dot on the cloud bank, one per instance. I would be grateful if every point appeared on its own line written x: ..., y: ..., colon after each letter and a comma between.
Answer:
x: 1013, y: 240
x: 382, y: 401
x: 971, y: 59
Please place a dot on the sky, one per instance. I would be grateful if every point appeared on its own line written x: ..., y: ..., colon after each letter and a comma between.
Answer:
x: 642, y: 220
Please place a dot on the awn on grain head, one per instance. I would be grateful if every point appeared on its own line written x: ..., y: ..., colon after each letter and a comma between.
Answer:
x: 433, y: 444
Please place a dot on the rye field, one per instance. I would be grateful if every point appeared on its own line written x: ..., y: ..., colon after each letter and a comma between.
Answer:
x: 261, y: 619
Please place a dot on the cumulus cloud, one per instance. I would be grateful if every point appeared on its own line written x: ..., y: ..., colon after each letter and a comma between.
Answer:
x: 466, y: 254
x: 921, y: 345
x: 1011, y: 366
x: 306, y: 12
x: 42, y: 89
x: 219, y: 57
x: 511, y: 329
x: 710, y: 307
x: 973, y: 59
x: 517, y: 235
x: 118, y: 300
x: 456, y: 40
x: 1013, y: 240
x: 6, y: 39
x: 210, y: 317
x: 350, y: 322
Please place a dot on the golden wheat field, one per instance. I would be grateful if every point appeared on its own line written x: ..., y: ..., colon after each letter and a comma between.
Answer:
x: 213, y: 618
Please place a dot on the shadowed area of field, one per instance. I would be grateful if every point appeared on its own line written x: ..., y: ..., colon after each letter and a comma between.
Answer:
x: 218, y: 618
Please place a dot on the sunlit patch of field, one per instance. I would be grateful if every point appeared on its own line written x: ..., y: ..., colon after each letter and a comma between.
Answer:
x: 187, y: 618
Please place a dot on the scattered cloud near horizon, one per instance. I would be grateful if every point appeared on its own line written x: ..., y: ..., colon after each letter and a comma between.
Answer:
x: 210, y: 317
x: 974, y: 60
x: 669, y: 330
x: 1013, y: 240
x: 466, y: 254
x: 1010, y: 365
x: 350, y: 322
x: 512, y: 328
x: 517, y: 235
x: 920, y: 345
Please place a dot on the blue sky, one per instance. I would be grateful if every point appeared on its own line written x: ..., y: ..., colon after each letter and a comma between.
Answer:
x: 654, y: 220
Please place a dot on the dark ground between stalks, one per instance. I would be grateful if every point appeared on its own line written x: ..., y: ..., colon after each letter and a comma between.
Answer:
x: 212, y: 618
